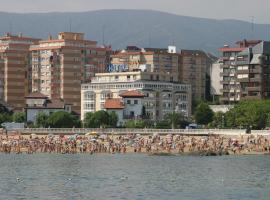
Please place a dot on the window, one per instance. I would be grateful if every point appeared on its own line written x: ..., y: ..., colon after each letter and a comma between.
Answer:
x: 128, y: 102
x: 135, y: 101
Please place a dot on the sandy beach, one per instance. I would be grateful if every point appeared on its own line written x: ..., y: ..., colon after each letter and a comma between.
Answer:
x: 155, y: 144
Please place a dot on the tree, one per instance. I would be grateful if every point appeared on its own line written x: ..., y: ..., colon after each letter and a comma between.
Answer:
x: 4, y: 117
x: 88, y: 120
x: 248, y: 114
x: 163, y: 124
x: 175, y: 119
x: 113, y: 119
x: 135, y: 124
x: 268, y: 119
x: 62, y: 119
x: 42, y: 120
x: 19, y: 117
x: 98, y: 119
x: 203, y: 114
x: 218, y: 120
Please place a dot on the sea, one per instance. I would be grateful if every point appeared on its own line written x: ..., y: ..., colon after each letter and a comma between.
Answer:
x: 133, y: 177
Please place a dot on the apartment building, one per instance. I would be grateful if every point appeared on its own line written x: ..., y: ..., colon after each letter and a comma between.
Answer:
x: 230, y: 84
x: 14, y: 67
x: 194, y: 65
x: 161, y: 95
x: 59, y: 66
x: 253, y: 72
x: 146, y: 59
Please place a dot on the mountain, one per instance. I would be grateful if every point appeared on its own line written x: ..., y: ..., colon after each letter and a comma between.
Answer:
x: 144, y: 28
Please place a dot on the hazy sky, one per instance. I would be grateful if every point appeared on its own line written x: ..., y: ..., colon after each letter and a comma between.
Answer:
x: 217, y: 9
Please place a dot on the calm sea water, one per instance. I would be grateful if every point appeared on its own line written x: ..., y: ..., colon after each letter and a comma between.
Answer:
x: 101, y: 177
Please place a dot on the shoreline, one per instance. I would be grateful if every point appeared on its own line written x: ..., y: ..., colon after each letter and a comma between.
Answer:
x: 152, y: 145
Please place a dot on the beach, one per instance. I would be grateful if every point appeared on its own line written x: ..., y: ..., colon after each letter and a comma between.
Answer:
x: 154, y: 144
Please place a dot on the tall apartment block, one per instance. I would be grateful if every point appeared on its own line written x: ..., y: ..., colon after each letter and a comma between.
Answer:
x: 231, y: 88
x: 253, y: 72
x: 14, y: 68
x: 147, y: 60
x: 194, y: 65
x: 60, y: 66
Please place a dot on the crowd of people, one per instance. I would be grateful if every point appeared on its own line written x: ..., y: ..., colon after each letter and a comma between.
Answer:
x: 151, y: 144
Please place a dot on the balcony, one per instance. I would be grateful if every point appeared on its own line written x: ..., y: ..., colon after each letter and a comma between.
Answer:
x: 246, y: 71
x: 243, y: 80
x: 256, y: 71
x: 251, y: 97
x: 225, y: 90
x: 256, y: 79
x: 225, y: 82
x: 253, y: 89
x: 226, y: 73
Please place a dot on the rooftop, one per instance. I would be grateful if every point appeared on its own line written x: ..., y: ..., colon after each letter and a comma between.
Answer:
x: 36, y: 95
x: 114, y: 104
x: 132, y: 93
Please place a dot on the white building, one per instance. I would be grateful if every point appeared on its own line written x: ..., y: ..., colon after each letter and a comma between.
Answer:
x: 129, y: 107
x: 37, y: 102
x: 161, y: 95
x: 216, y: 79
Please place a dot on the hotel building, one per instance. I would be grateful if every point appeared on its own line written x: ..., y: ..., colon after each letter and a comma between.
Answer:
x: 162, y: 95
x: 148, y: 60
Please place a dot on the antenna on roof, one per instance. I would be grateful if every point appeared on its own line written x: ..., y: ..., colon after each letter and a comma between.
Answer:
x: 149, y: 39
x: 103, y: 34
x: 70, y: 24
x: 10, y: 27
x: 252, y: 26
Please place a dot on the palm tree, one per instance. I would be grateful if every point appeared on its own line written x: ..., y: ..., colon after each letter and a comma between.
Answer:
x: 174, y: 119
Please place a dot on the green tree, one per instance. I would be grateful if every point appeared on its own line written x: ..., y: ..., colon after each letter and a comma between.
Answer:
x: 63, y: 119
x: 88, y: 120
x: 163, y: 125
x: 19, y: 117
x: 5, y: 117
x: 246, y: 114
x: 218, y: 120
x: 176, y: 120
x: 42, y: 120
x: 113, y: 119
x: 100, y: 119
x: 135, y: 124
x: 268, y: 120
x: 203, y: 114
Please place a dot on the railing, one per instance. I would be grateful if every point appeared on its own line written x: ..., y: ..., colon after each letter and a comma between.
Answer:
x: 124, y: 131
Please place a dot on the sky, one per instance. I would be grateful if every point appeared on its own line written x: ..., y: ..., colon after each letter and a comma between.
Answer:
x: 216, y: 9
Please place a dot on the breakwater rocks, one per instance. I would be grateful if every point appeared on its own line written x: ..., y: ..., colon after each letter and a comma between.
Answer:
x: 195, y: 153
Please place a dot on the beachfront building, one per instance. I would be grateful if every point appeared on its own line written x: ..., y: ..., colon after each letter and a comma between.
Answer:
x: 253, y: 72
x: 147, y: 60
x: 129, y: 106
x: 194, y: 65
x: 231, y: 87
x: 39, y: 103
x: 162, y: 94
x: 59, y: 66
x: 216, y: 79
x: 14, y: 69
